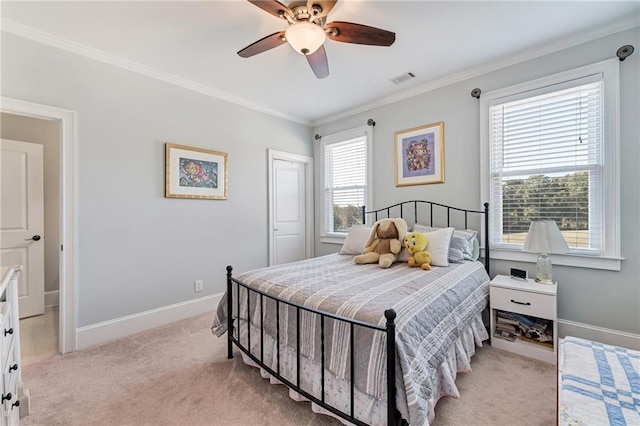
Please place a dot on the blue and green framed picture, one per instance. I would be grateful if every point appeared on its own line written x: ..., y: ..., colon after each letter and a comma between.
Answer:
x: 420, y: 155
x: 195, y: 173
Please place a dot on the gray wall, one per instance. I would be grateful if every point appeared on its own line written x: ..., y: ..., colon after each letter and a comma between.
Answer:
x: 595, y: 297
x: 136, y: 249
x: 47, y: 134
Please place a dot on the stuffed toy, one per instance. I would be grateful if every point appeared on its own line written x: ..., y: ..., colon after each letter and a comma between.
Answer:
x: 416, y: 244
x: 384, y: 242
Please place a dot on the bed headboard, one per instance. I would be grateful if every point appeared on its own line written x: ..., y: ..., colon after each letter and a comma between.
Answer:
x: 434, y: 214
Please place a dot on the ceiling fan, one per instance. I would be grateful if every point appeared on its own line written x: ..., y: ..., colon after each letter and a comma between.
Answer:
x: 308, y: 30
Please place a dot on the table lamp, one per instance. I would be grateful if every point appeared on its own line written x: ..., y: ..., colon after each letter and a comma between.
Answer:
x: 544, y: 237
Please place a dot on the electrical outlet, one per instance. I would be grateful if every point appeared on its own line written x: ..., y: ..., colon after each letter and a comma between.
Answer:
x: 197, y: 286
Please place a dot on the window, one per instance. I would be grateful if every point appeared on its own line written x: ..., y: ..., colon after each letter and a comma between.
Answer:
x: 345, y: 178
x: 551, y: 152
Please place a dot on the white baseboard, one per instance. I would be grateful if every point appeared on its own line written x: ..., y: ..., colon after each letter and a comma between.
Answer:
x: 51, y: 298
x: 106, y: 331
x: 598, y: 334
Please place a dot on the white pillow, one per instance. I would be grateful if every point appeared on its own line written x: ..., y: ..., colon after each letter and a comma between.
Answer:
x: 404, y: 255
x: 356, y: 239
x: 464, y: 243
x: 438, y: 246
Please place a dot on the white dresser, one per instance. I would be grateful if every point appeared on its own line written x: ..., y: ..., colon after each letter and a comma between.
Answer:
x: 13, y: 394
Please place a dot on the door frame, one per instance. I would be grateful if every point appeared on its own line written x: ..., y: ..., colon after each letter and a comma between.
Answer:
x: 68, y: 210
x: 308, y: 168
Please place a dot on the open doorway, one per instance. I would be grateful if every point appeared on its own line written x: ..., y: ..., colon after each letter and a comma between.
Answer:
x: 53, y: 129
x: 38, y: 203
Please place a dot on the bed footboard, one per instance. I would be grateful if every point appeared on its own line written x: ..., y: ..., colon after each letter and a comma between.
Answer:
x: 389, y: 329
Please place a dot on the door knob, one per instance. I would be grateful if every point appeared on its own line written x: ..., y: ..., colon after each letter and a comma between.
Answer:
x: 34, y: 238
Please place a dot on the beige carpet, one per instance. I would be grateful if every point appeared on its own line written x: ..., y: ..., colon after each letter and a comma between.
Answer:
x: 179, y: 375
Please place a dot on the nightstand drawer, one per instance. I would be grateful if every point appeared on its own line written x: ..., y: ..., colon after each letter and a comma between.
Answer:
x: 523, y: 302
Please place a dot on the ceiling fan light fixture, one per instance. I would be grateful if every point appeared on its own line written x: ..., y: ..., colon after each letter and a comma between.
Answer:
x: 305, y: 37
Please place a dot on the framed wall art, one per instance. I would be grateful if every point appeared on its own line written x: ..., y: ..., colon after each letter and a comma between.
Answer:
x: 195, y: 173
x: 420, y: 155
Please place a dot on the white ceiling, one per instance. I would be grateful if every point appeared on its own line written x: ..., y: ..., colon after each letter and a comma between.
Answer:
x: 196, y: 43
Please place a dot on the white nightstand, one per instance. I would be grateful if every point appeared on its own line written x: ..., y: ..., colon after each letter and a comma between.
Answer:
x: 527, y: 298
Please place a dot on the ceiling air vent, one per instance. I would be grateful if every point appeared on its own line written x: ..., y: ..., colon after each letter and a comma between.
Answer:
x: 404, y: 77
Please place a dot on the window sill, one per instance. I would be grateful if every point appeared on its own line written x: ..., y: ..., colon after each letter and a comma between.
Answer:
x: 593, y: 262
x: 333, y: 238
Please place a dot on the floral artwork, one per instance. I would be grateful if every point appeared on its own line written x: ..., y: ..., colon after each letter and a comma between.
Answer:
x: 420, y: 155
x: 195, y: 173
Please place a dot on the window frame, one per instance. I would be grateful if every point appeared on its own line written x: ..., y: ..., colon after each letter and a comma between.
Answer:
x: 610, y: 256
x: 339, y: 137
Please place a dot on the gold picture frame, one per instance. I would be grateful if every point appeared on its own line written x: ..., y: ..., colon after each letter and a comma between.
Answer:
x: 420, y: 155
x: 195, y: 173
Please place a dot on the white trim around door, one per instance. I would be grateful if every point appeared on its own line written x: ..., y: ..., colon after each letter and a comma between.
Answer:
x: 308, y: 167
x: 68, y: 256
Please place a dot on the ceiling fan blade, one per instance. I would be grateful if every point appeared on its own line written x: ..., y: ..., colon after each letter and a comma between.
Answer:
x: 318, y: 62
x: 264, y: 44
x: 348, y: 32
x: 273, y: 7
x: 325, y: 5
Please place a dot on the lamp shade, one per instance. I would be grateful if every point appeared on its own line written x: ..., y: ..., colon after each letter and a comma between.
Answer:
x: 544, y: 237
x: 305, y: 37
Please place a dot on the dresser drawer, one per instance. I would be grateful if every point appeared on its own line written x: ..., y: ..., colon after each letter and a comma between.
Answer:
x: 6, y: 335
x: 12, y: 411
x: 523, y: 302
x: 11, y: 387
x: 10, y: 372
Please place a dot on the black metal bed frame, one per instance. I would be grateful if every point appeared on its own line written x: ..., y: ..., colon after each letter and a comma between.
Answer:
x: 393, y: 416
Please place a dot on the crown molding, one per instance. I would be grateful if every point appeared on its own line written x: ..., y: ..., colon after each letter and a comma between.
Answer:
x: 565, y: 43
x: 120, y: 62
x: 49, y: 39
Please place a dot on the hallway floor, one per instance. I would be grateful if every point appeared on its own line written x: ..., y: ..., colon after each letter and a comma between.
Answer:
x: 39, y: 336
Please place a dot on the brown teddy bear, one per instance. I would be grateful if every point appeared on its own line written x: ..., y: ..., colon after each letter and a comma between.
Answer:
x: 384, y: 243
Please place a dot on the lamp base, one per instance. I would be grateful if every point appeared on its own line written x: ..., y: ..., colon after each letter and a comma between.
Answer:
x: 543, y: 270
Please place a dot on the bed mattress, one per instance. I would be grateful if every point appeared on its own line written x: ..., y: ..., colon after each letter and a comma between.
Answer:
x: 438, y: 314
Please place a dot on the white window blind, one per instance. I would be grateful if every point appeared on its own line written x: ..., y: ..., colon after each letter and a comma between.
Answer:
x: 345, y: 183
x: 546, y: 162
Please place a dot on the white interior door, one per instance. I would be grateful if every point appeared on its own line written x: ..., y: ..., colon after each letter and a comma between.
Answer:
x: 22, y: 219
x: 290, y: 207
x: 289, y: 211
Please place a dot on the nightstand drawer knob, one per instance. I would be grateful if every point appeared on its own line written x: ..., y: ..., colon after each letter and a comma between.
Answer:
x: 7, y: 397
x: 9, y: 331
x: 15, y: 404
x: 521, y: 303
x: 13, y: 367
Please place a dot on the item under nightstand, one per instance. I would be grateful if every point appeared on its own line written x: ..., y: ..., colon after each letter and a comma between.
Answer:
x: 523, y: 317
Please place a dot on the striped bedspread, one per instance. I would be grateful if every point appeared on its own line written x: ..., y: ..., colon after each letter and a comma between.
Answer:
x: 433, y: 307
x: 599, y: 384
